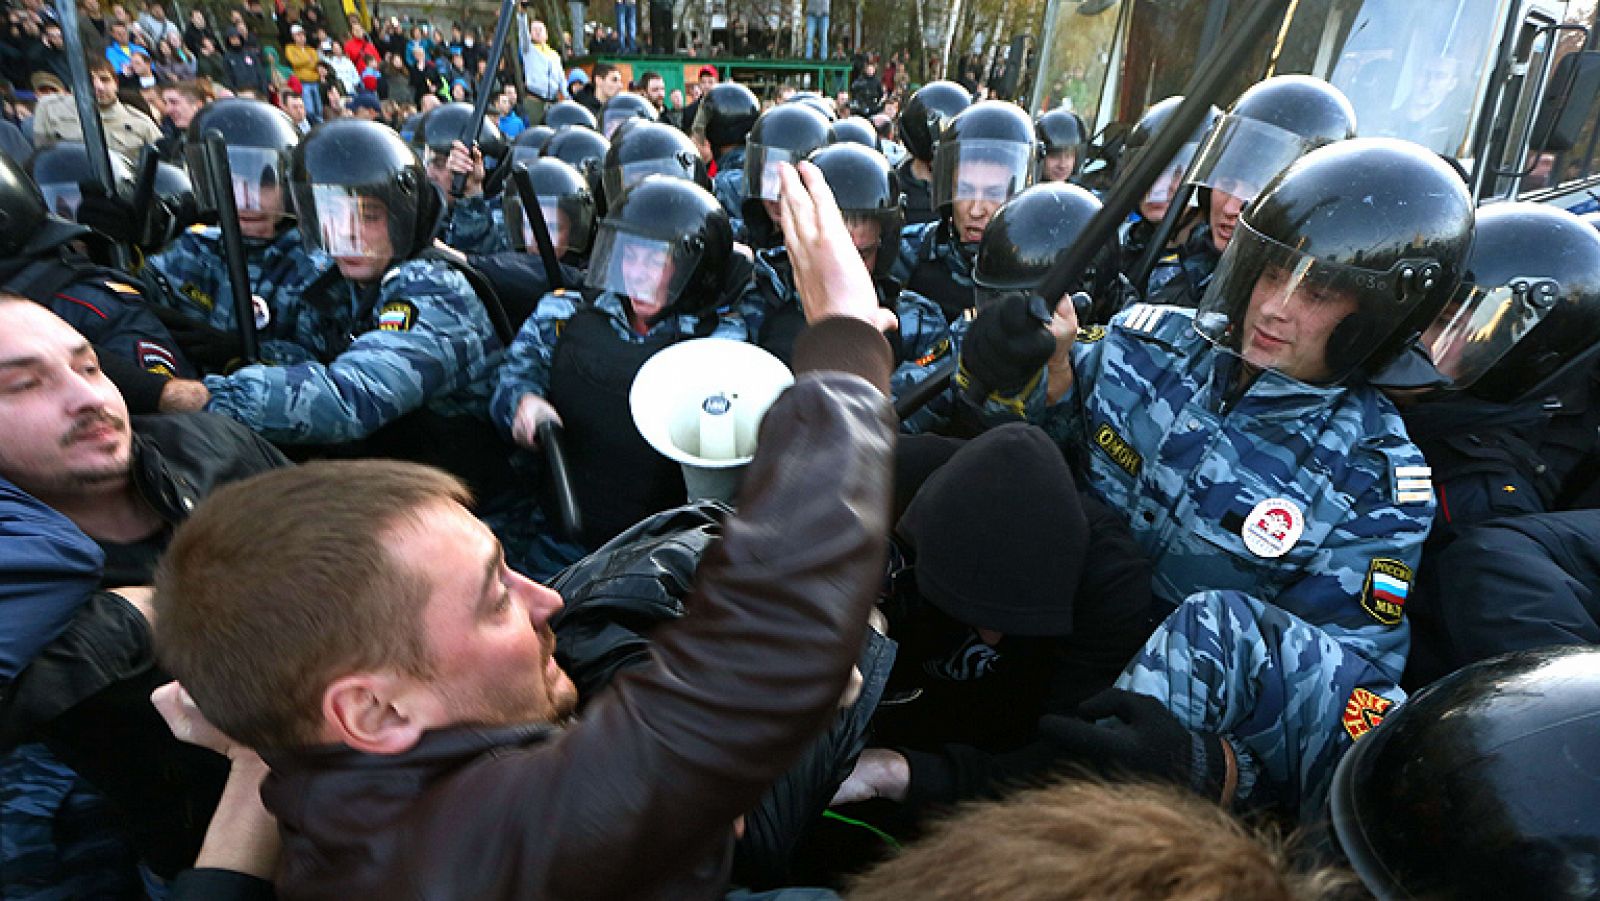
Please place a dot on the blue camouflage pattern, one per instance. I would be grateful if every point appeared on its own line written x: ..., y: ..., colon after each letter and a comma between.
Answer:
x: 533, y: 547
x: 923, y: 335
x: 1150, y: 421
x: 195, y: 277
x: 728, y: 185
x: 357, y: 372
x: 476, y: 225
x: 1283, y: 692
x: 924, y: 241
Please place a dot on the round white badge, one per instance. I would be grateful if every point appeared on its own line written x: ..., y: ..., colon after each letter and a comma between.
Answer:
x: 1272, y: 527
x: 263, y: 313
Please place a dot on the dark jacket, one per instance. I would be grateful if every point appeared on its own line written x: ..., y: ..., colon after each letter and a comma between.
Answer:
x: 86, y: 692
x: 637, y: 799
x: 48, y: 568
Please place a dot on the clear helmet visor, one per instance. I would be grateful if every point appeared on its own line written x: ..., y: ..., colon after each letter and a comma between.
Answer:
x: 351, y: 223
x: 1164, y: 189
x: 651, y: 272
x: 257, y: 174
x: 612, y: 120
x: 991, y: 171
x: 522, y: 153
x: 62, y: 198
x: 567, y: 222
x: 1480, y: 325
x: 761, y: 163
x: 1241, y: 155
x: 1284, y: 310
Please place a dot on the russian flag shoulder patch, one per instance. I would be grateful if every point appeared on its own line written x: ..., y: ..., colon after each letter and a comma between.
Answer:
x: 1383, y: 595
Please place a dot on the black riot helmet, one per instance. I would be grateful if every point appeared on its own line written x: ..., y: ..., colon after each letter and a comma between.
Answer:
x: 578, y: 147
x: 650, y: 148
x: 172, y: 185
x: 569, y: 112
x: 1165, y: 188
x: 26, y: 226
x: 816, y: 101
x: 621, y: 108
x: 784, y: 134
x: 566, y: 203
x: 444, y: 125
x: 866, y: 188
x: 260, y: 139
x: 360, y: 192
x: 1482, y: 785
x: 58, y: 169
x: 988, y: 152
x: 1022, y: 241
x: 726, y: 114
x: 1529, y: 302
x: 855, y: 130
x: 924, y: 117
x: 529, y: 144
x: 667, y: 240
x: 1271, y: 125
x: 1361, y: 241
x: 1064, y: 140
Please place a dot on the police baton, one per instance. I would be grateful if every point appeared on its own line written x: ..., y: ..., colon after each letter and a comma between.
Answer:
x: 220, y: 182
x: 480, y: 105
x: 94, y: 136
x: 555, y: 457
x: 523, y: 182
x: 144, y: 193
x: 1203, y: 90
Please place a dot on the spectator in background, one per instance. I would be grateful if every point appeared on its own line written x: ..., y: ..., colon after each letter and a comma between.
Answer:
x: 126, y: 129
x: 210, y: 64
x: 817, y: 27
x: 506, y: 116
x: 654, y: 89
x: 120, y: 49
x: 256, y: 22
x: 197, y: 31
x: 397, y: 80
x: 424, y: 77
x: 248, y: 70
x: 302, y: 58
x: 295, y: 106
x: 628, y: 25
x: 343, y: 68
x: 156, y: 26
x: 358, y: 48
x: 174, y: 62
x: 577, y: 9
x: 706, y: 79
x: 48, y: 54
x: 541, y: 68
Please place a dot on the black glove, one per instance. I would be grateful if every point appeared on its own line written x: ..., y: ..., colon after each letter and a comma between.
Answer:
x: 1145, y: 741
x: 1008, y: 344
x: 115, y: 217
x: 209, y: 348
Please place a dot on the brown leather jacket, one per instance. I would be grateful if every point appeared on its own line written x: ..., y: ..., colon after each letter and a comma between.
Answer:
x: 637, y: 800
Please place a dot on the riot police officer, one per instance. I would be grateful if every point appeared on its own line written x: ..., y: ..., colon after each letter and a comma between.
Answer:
x: 783, y: 134
x: 529, y: 145
x: 986, y: 155
x: 1156, y: 204
x: 42, y: 258
x: 1066, y: 144
x: 853, y: 129
x: 520, y: 276
x: 1270, y: 485
x: 260, y: 140
x: 723, y: 120
x: 584, y: 150
x: 1517, y: 433
x: 569, y: 112
x: 471, y: 221
x: 1270, y: 126
x: 868, y: 195
x: 394, y: 351
x: 659, y: 274
x: 920, y: 123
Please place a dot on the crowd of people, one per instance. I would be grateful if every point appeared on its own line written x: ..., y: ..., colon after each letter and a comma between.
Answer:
x: 361, y: 578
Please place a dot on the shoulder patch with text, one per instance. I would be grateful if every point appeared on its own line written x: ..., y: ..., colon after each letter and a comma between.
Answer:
x: 939, y: 351
x: 1384, y: 593
x: 196, y: 296
x: 1364, y: 711
x: 1091, y: 334
x: 397, y: 316
x: 1120, y: 452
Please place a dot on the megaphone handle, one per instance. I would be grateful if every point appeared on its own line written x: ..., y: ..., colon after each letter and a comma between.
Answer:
x: 555, y: 455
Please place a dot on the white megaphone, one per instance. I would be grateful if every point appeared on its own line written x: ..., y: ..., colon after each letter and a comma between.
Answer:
x: 700, y: 403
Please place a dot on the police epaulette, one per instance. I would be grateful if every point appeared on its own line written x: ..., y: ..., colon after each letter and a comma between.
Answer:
x: 1162, y: 321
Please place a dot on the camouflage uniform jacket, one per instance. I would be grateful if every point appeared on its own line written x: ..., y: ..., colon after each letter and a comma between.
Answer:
x: 1286, y: 523
x: 196, y: 277
x: 355, y: 366
x: 475, y: 225
x: 728, y: 186
x: 930, y: 244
